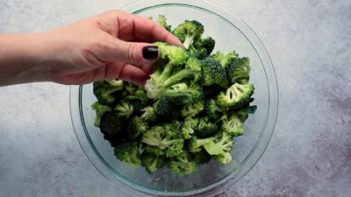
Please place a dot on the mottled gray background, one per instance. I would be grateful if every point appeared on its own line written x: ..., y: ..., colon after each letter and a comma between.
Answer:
x: 310, y: 152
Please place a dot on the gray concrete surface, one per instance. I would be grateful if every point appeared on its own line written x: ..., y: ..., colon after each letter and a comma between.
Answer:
x: 310, y: 152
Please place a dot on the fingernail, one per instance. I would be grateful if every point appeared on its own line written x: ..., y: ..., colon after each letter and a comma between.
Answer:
x: 150, y: 52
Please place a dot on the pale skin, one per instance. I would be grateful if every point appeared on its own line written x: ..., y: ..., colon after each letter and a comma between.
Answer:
x: 106, y: 46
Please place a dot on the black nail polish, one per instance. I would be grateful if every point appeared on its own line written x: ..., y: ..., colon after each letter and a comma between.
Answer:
x: 150, y: 52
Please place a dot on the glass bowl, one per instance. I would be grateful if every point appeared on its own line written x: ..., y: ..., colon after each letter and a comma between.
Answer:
x: 230, y: 33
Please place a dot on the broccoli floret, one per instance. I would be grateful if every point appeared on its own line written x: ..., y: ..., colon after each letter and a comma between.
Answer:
x: 166, y: 105
x: 188, y: 32
x: 236, y: 95
x: 176, y: 148
x: 232, y: 125
x: 192, y: 109
x: 238, y: 70
x: 154, y: 150
x: 152, y: 162
x: 136, y: 127
x: 243, y: 113
x: 220, y: 148
x: 213, y: 72
x: 112, y: 128
x: 100, y: 109
x: 148, y: 114
x: 129, y: 153
x: 124, y: 109
x: 212, y: 110
x: 161, y: 136
x: 162, y: 20
x: 103, y: 90
x: 188, y: 127
x: 202, y: 47
x: 196, y: 144
x: 205, y: 127
x: 183, y: 164
x: 225, y: 59
x: 170, y: 80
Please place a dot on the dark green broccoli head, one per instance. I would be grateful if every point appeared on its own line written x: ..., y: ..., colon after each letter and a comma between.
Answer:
x: 136, y: 127
x: 104, y: 89
x: 202, y: 47
x: 238, y: 70
x: 112, y: 128
x: 213, y: 73
x: 152, y: 162
x: 188, y: 32
x: 129, y: 153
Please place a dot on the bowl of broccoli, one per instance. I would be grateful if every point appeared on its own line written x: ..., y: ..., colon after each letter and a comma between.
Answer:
x: 204, y: 117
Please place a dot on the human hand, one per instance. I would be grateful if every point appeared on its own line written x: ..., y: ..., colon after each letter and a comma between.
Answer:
x: 111, y: 45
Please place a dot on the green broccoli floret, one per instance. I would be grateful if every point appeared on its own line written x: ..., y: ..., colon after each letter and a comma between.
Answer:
x: 232, y: 125
x: 213, y: 111
x: 205, y: 127
x: 152, y: 162
x: 238, y: 71
x: 225, y: 59
x: 213, y: 72
x: 161, y: 136
x: 136, y: 127
x: 169, y: 80
x: 100, y: 109
x: 188, y: 127
x: 129, y: 153
x: 192, y: 109
x: 162, y: 20
x: 221, y: 147
x: 124, y: 109
x: 196, y: 144
x: 148, y: 114
x: 103, y: 90
x: 155, y: 150
x: 236, y: 95
x: 183, y: 164
x: 188, y: 32
x: 175, y: 148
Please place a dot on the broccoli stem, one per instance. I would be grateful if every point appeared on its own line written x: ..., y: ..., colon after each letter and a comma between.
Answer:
x: 177, y: 77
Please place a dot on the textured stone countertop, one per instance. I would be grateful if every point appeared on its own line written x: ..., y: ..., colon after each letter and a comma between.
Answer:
x: 310, y: 151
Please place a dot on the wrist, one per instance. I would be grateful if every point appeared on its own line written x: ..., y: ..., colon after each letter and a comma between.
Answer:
x: 21, y: 57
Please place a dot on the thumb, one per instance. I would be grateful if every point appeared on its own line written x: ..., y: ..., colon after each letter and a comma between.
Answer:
x: 135, y: 53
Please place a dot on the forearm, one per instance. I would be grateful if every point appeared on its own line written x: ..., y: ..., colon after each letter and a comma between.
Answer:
x: 22, y: 58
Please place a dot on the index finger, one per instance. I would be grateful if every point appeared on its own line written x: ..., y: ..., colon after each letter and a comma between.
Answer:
x: 137, y: 28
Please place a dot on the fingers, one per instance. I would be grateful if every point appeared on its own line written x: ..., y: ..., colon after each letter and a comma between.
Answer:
x: 126, y: 72
x: 135, y: 53
x: 137, y: 28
